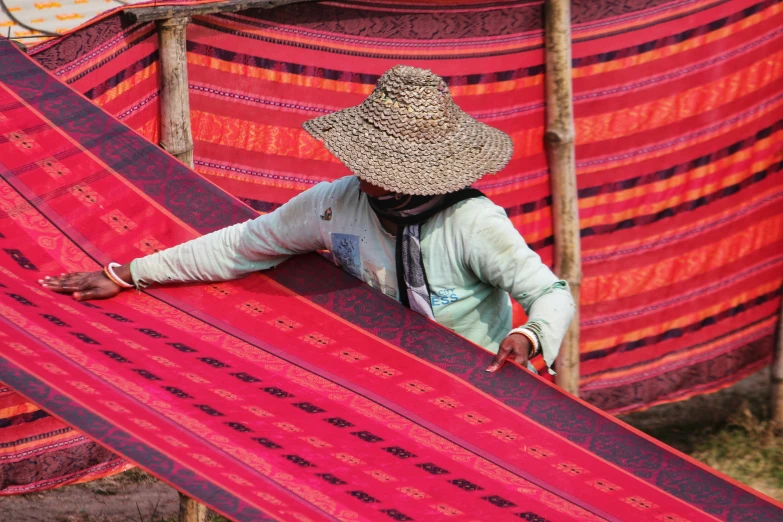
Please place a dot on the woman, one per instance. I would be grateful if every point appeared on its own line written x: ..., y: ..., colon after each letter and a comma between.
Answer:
x: 407, y: 223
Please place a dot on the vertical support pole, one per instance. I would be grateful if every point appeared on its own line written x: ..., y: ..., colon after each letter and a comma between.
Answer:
x: 190, y: 510
x: 176, y: 138
x: 175, y: 132
x: 559, y: 142
x: 776, y: 375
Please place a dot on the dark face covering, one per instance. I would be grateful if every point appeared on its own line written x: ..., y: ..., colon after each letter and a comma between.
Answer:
x: 405, y: 210
x: 410, y: 212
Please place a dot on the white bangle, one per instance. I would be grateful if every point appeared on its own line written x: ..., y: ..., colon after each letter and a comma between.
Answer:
x: 110, y: 268
x: 530, y: 336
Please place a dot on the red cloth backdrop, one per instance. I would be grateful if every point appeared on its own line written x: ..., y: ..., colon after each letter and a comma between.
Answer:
x: 284, y: 395
x: 678, y: 118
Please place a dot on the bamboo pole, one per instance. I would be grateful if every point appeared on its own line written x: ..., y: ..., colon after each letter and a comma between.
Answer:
x: 776, y: 376
x: 190, y: 510
x: 176, y: 137
x: 175, y: 131
x: 559, y: 141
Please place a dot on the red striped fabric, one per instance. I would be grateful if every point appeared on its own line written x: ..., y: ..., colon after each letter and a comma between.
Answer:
x: 284, y: 396
x: 678, y: 118
x: 678, y: 107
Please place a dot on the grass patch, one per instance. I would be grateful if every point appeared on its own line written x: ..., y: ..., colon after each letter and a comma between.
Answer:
x: 136, y: 476
x: 741, y: 444
x: 728, y: 431
x: 747, y: 449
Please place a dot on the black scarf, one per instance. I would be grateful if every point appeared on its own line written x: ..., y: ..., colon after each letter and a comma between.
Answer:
x: 409, y: 213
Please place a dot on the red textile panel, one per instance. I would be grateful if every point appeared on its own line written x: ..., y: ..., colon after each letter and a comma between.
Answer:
x: 678, y: 125
x: 283, y: 396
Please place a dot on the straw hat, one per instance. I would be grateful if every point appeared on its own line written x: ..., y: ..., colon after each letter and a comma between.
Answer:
x: 410, y: 137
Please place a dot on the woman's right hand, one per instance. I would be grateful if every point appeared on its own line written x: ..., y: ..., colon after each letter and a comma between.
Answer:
x: 83, y: 286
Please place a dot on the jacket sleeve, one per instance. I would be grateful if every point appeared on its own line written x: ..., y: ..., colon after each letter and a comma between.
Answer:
x: 234, y: 251
x: 498, y: 255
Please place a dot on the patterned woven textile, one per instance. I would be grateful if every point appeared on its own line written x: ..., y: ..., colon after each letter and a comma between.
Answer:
x: 294, y: 394
x: 678, y: 118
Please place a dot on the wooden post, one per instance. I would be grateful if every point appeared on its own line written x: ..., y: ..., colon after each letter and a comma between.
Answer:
x: 776, y: 376
x: 176, y: 138
x: 175, y: 133
x: 190, y: 510
x: 559, y: 142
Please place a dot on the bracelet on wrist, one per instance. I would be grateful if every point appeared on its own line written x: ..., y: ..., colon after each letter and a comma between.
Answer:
x: 109, y: 272
x: 534, y: 344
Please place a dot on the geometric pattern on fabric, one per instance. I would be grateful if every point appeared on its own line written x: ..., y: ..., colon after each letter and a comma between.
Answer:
x: 679, y: 122
x: 295, y: 394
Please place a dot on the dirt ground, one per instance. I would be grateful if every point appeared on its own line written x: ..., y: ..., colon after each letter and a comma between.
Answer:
x: 707, y: 427
x: 132, y: 496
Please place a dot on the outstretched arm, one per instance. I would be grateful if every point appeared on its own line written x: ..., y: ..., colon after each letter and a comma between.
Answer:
x: 226, y: 254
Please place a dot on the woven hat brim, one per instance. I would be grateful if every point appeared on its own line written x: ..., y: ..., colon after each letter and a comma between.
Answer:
x: 411, y: 166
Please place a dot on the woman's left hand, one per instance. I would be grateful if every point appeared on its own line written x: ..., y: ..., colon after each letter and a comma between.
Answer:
x: 515, y: 347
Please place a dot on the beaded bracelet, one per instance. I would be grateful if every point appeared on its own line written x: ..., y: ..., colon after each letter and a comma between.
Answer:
x: 108, y: 270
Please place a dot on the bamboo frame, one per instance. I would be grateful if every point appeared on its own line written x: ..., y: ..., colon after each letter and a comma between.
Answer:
x: 151, y: 14
x: 176, y: 136
x: 190, y: 510
x: 559, y: 142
